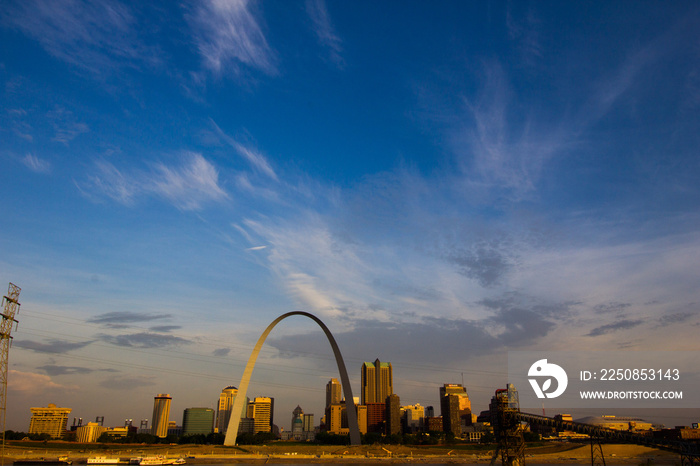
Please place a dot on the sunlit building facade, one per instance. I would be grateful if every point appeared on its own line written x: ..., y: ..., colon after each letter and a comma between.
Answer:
x: 161, y: 415
x: 50, y: 420
x: 260, y: 410
x: 226, y: 399
x: 377, y: 382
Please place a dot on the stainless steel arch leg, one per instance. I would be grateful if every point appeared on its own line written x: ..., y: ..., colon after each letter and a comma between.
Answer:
x: 236, y: 410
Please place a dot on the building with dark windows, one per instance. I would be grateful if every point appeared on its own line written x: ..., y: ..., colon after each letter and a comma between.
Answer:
x: 449, y: 405
x: 198, y: 421
x: 393, y: 415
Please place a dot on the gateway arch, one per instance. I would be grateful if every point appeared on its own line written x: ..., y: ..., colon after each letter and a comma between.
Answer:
x: 237, y: 409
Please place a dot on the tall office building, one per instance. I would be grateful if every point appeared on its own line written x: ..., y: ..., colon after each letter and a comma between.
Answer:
x: 161, y: 415
x: 393, y: 415
x: 377, y: 382
x: 464, y: 405
x: 50, y: 420
x: 226, y: 399
x: 198, y: 421
x: 333, y: 392
x: 449, y: 405
x: 260, y: 410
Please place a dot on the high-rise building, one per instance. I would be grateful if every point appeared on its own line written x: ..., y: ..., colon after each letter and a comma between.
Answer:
x: 449, y: 405
x: 50, y: 420
x: 226, y: 399
x: 161, y: 415
x: 260, y: 410
x: 198, y: 421
x: 393, y: 414
x: 377, y: 382
x: 333, y: 392
x: 464, y: 405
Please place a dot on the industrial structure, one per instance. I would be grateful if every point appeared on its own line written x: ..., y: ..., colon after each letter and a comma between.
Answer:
x: 508, y: 424
x: 9, y: 310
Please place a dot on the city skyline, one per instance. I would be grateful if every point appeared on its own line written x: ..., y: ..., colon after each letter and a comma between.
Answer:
x: 440, y: 183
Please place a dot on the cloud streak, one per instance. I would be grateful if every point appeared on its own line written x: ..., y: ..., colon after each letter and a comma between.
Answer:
x: 144, y: 340
x: 624, y: 324
x: 187, y: 186
x: 126, y: 317
x: 95, y: 37
x: 256, y: 159
x: 53, y: 346
x: 325, y: 33
x: 36, y: 164
x: 228, y: 36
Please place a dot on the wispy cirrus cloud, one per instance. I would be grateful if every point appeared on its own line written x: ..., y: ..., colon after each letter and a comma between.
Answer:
x: 523, y: 31
x: 188, y: 186
x: 66, y: 126
x: 497, y: 147
x: 91, y: 36
x: 36, y: 164
x: 255, y: 158
x: 228, y: 35
x: 325, y: 33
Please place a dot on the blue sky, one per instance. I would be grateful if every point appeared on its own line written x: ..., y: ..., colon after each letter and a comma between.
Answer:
x: 440, y: 183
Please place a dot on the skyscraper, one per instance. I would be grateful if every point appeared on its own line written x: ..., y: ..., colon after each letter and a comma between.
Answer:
x: 393, y: 414
x: 377, y: 382
x: 464, y: 405
x: 226, y: 399
x: 449, y: 405
x: 333, y: 392
x: 260, y: 410
x: 161, y: 415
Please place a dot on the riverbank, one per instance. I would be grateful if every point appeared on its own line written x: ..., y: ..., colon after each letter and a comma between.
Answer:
x: 554, y: 453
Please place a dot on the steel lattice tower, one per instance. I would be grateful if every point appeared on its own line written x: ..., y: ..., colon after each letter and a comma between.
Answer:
x: 10, y: 308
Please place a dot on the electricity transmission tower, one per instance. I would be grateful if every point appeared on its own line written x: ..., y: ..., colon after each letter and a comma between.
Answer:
x: 9, y: 309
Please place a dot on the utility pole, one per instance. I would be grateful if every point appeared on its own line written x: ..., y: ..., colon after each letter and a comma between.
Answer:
x: 9, y: 309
